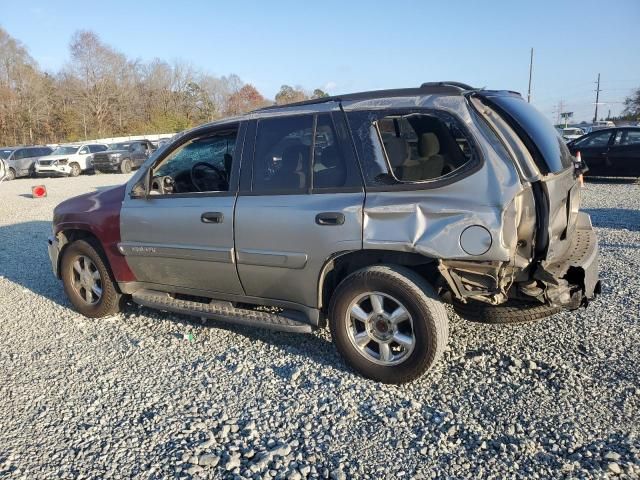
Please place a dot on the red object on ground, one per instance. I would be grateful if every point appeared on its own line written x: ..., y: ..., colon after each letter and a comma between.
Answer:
x: 39, y: 191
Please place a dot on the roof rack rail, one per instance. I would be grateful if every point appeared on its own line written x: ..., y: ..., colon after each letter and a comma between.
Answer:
x: 442, y: 88
x: 460, y: 85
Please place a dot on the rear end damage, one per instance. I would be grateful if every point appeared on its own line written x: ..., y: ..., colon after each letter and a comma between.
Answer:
x: 555, y: 249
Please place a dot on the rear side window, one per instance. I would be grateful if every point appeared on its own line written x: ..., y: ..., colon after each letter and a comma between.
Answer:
x: 409, y: 147
x: 542, y: 139
x: 334, y: 164
x: 628, y: 137
x: 282, y: 157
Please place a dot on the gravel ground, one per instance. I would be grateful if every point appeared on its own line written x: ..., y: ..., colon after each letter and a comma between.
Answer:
x: 151, y: 395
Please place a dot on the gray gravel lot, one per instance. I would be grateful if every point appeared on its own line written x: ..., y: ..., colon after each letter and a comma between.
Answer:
x: 147, y: 394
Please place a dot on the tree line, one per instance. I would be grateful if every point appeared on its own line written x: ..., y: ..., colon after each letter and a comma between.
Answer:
x: 102, y: 93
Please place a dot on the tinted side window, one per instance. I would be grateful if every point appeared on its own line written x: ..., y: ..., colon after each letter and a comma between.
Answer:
x: 282, y: 156
x: 409, y: 147
x: 631, y: 137
x: 600, y: 139
x: 334, y: 165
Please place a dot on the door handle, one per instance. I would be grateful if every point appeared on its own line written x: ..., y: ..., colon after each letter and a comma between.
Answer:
x: 330, y: 218
x: 212, y: 217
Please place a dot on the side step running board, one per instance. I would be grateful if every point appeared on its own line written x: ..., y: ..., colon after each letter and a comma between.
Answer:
x: 223, y: 311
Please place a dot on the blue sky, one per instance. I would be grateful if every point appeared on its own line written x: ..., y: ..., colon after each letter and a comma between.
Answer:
x: 350, y: 46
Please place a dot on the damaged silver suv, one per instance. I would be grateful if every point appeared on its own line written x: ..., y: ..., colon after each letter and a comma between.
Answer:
x: 364, y: 212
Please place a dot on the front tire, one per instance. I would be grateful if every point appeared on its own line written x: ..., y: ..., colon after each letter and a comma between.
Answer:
x: 87, y: 280
x: 388, y: 323
x: 125, y: 166
x: 11, y: 174
x: 75, y: 170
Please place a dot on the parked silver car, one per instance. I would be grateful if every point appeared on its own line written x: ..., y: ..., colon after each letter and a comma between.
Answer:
x: 364, y: 211
x: 20, y: 161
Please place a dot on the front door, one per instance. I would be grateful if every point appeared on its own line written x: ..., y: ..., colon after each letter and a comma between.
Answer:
x: 303, y: 204
x: 180, y: 237
x: 594, y: 150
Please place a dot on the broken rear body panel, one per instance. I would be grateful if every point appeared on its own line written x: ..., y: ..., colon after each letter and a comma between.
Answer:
x: 500, y: 227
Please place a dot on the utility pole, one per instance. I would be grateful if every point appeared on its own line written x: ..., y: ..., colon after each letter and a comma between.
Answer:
x: 595, y: 116
x: 530, y: 72
x: 559, y: 111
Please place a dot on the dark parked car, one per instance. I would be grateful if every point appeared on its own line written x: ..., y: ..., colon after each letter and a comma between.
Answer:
x: 612, y: 152
x: 363, y: 212
x: 20, y: 161
x: 123, y: 157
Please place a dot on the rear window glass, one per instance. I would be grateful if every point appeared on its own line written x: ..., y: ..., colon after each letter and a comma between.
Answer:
x: 333, y: 163
x: 282, y: 155
x: 547, y: 143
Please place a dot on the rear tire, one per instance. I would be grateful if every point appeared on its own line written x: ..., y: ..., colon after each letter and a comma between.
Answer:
x: 75, y: 170
x: 87, y: 281
x: 125, y: 166
x: 510, y: 312
x: 406, y: 309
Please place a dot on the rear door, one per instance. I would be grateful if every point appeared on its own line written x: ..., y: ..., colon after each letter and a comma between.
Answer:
x: 179, y: 237
x: 624, y: 153
x: 300, y: 203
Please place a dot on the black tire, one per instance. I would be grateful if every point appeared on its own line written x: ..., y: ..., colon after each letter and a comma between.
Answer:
x: 75, y: 170
x: 430, y: 324
x: 11, y: 174
x: 125, y: 166
x: 110, y: 301
x: 510, y: 312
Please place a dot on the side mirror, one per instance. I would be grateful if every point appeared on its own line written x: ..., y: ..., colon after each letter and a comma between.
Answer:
x: 142, y: 187
x: 139, y: 190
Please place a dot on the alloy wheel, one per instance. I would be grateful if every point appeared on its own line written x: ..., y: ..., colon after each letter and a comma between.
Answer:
x: 86, y: 280
x: 380, y: 328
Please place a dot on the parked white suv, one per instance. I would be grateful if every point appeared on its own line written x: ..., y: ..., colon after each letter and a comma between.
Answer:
x: 69, y: 160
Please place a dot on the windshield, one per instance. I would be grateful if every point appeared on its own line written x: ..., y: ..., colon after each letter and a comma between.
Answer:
x: 120, y: 146
x: 4, y: 154
x: 65, y: 150
x: 548, y: 149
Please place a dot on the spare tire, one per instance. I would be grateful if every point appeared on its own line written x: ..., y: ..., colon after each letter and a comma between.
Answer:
x: 512, y: 311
